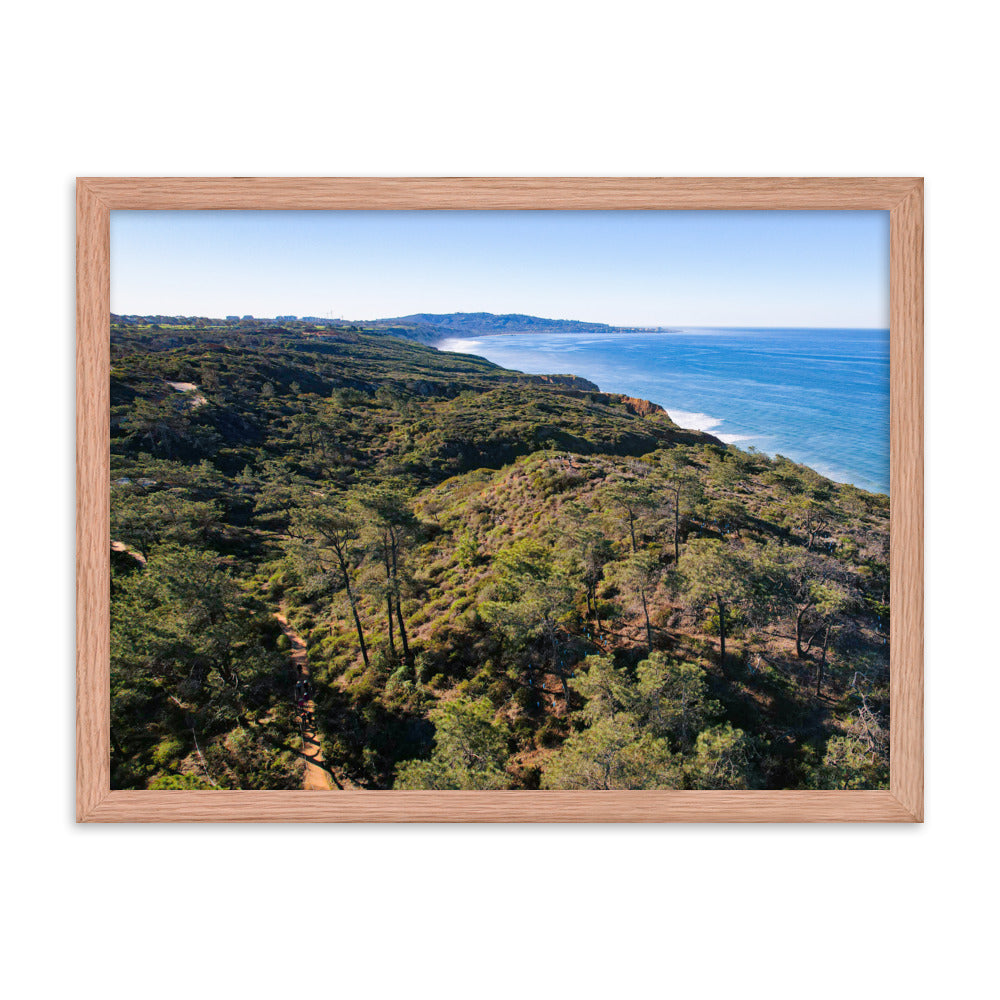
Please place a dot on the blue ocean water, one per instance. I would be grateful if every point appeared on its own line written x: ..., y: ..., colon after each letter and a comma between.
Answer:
x: 820, y: 397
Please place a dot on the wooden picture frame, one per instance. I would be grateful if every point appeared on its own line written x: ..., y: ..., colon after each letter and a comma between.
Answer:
x: 901, y: 197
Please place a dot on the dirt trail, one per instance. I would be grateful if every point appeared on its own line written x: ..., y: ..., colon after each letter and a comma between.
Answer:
x: 197, y: 399
x: 122, y: 547
x: 316, y: 779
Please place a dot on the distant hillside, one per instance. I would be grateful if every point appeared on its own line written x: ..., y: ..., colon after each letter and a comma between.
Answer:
x: 422, y: 327
x: 483, y: 322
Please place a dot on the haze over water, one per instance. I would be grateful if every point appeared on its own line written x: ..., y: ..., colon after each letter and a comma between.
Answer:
x: 817, y: 396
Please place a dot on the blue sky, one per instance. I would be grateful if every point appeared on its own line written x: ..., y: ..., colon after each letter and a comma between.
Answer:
x: 630, y: 268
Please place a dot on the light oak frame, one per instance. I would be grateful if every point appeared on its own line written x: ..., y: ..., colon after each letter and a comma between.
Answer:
x: 901, y: 197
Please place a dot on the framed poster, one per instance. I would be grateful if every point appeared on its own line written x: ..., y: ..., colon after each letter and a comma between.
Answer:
x: 527, y: 500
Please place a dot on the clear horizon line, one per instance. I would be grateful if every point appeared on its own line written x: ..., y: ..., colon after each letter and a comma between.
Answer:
x: 624, y: 326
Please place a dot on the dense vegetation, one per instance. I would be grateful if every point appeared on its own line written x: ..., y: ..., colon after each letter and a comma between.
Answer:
x: 504, y: 581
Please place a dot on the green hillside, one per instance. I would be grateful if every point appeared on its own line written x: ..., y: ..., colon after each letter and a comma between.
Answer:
x: 452, y: 324
x: 503, y: 580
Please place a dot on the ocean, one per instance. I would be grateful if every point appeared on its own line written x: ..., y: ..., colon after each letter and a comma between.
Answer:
x: 819, y: 397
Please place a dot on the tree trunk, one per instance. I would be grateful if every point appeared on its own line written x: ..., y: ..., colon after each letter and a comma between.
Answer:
x: 388, y: 595
x: 402, y: 634
x: 399, y: 603
x: 358, y: 628
x: 360, y: 631
x: 631, y: 529
x: 799, y: 618
x: 388, y: 618
x: 812, y: 637
x: 354, y: 606
x: 645, y: 612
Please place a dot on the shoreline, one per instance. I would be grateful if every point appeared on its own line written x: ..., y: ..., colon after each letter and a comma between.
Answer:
x: 688, y: 419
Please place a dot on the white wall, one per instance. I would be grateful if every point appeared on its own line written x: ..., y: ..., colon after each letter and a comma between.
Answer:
x: 728, y: 88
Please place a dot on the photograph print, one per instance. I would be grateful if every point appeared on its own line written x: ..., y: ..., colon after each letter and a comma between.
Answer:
x: 499, y: 500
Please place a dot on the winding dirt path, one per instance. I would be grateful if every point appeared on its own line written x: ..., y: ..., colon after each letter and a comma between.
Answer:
x: 316, y: 779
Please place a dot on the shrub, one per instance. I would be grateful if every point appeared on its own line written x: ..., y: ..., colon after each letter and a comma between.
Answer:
x: 526, y: 698
x: 363, y: 690
x: 168, y: 751
x: 549, y: 734
x: 179, y: 782
x: 499, y: 692
x: 467, y: 550
x: 523, y: 730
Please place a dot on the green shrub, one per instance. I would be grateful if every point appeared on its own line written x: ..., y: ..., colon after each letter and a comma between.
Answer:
x: 549, y: 734
x: 499, y: 692
x: 179, y: 782
x: 523, y: 730
x: 168, y: 751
